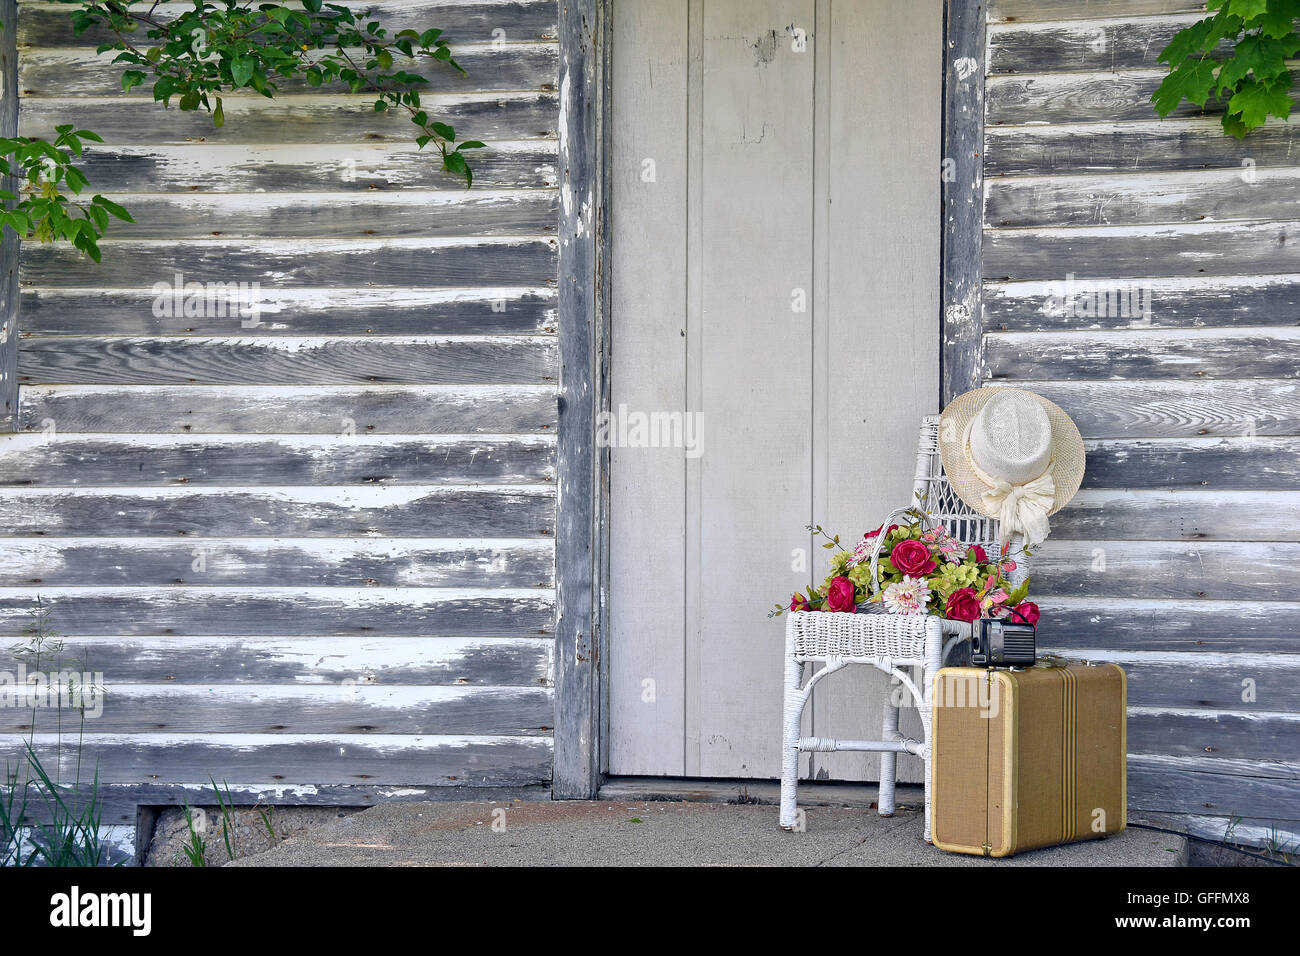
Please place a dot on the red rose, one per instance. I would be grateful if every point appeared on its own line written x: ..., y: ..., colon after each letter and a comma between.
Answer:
x: 799, y: 603
x: 872, y: 535
x: 963, y: 605
x: 913, y: 558
x: 978, y: 553
x: 840, y: 594
x: 1027, y: 613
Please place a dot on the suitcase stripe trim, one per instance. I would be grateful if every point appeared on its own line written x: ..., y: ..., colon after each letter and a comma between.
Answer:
x: 1069, y: 754
x: 1009, y: 819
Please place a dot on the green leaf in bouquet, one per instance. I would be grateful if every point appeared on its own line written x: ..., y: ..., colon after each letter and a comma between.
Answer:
x: 1018, y: 594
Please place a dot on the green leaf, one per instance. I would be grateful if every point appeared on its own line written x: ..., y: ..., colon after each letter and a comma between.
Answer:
x: 113, y: 208
x: 1192, y: 81
x: 88, y: 246
x: 1233, y: 126
x: 241, y: 70
x: 472, y: 144
x: 312, y: 6
x: 1188, y: 42
x: 132, y: 78
x: 100, y: 216
x: 219, y: 115
x: 76, y: 180
x: 1263, y: 56
x: 1246, y: 9
x: 445, y: 131
x: 1255, y: 101
x: 1279, y: 21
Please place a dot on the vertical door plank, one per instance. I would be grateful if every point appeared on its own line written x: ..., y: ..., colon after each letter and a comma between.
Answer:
x: 755, y: 354
x: 881, y: 371
x: 647, y: 516
x: 694, y: 595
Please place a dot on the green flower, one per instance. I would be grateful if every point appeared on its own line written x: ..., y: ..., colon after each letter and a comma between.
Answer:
x: 860, y: 576
x: 953, y: 577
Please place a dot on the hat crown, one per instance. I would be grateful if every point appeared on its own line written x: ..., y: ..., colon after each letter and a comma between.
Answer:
x: 1011, y: 437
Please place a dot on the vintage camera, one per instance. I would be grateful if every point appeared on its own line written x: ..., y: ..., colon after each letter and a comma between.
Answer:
x: 1002, y: 643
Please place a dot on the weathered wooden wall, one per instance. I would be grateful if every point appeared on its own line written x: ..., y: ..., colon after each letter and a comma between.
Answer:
x: 315, y: 553
x: 1179, y: 557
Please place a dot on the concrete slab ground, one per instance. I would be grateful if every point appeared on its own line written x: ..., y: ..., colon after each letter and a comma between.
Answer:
x: 660, y: 833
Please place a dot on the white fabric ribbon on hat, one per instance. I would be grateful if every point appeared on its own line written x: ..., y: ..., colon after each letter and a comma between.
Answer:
x: 1022, y: 508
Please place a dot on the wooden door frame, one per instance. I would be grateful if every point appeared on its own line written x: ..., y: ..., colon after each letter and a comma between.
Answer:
x: 582, y: 468
x: 961, y: 324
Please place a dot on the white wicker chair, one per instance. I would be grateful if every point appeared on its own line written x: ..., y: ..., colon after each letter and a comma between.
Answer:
x: 888, y: 642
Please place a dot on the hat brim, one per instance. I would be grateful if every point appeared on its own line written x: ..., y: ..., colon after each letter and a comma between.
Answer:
x: 1067, y: 449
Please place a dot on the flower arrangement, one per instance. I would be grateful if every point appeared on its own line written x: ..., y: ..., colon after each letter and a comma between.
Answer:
x: 922, y: 570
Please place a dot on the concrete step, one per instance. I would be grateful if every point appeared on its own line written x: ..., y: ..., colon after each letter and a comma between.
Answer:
x: 663, y: 833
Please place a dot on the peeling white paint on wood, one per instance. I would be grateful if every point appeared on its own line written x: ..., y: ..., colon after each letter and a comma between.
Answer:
x: 406, y: 332
x: 1189, y: 512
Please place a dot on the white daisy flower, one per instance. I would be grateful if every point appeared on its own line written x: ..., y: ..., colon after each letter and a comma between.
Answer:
x: 908, y: 596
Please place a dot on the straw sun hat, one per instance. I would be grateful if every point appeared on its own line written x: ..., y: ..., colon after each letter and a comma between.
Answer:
x: 1011, y: 455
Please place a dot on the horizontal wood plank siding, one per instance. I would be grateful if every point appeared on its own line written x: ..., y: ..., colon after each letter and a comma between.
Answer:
x: 337, y: 662
x: 1143, y: 274
x: 336, y: 168
x: 307, y: 534
x: 330, y: 759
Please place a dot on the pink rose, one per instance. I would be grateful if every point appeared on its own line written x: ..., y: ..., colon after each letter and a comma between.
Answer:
x: 963, y: 605
x: 872, y: 535
x: 1008, y: 565
x: 799, y: 603
x: 913, y: 558
x: 978, y: 553
x: 840, y: 595
x: 1027, y: 613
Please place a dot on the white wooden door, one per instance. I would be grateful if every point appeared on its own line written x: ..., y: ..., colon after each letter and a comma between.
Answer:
x: 776, y: 231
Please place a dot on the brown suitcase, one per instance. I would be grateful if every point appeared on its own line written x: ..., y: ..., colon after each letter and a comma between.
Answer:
x: 1027, y: 758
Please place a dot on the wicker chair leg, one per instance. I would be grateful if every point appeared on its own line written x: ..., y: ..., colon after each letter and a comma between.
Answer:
x: 926, y: 757
x: 792, y: 715
x: 888, y: 761
x: 934, y: 654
